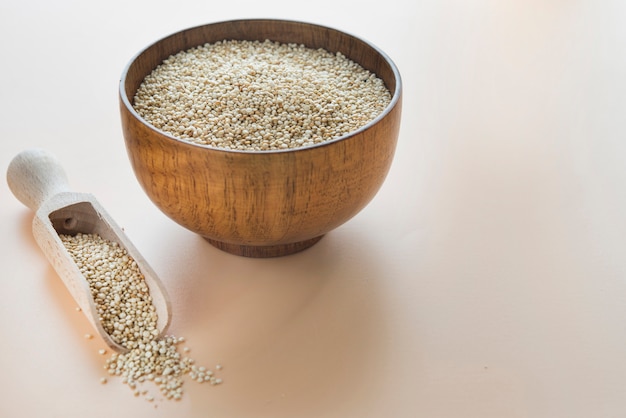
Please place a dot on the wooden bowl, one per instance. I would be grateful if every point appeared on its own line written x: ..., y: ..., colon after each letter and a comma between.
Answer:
x: 261, y: 203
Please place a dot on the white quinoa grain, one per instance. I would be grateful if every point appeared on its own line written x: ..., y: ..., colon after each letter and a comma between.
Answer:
x: 251, y: 95
x: 127, y: 314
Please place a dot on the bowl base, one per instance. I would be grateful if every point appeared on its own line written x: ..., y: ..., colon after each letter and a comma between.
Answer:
x: 264, y: 251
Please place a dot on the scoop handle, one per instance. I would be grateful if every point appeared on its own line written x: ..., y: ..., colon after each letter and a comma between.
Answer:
x: 34, y: 176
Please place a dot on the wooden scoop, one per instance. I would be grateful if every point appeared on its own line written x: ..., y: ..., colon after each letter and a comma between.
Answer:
x: 37, y: 179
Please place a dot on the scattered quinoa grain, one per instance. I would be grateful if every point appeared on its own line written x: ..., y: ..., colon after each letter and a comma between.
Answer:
x: 127, y: 314
x: 252, y: 95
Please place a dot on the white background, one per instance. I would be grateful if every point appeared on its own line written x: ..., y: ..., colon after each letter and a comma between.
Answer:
x: 486, y: 279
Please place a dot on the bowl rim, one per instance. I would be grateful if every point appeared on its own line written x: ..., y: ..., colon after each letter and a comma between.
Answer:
x: 395, y: 98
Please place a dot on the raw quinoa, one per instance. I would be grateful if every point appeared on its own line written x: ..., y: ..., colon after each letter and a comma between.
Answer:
x: 252, y: 95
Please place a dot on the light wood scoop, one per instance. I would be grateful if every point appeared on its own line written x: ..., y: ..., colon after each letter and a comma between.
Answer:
x: 37, y: 179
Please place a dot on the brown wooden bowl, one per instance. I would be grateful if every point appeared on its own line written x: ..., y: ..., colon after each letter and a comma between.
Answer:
x: 261, y: 203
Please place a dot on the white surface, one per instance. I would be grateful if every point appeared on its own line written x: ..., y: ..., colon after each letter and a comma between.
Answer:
x: 486, y: 279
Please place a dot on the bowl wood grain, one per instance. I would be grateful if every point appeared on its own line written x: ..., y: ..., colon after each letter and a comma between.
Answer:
x: 261, y: 203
